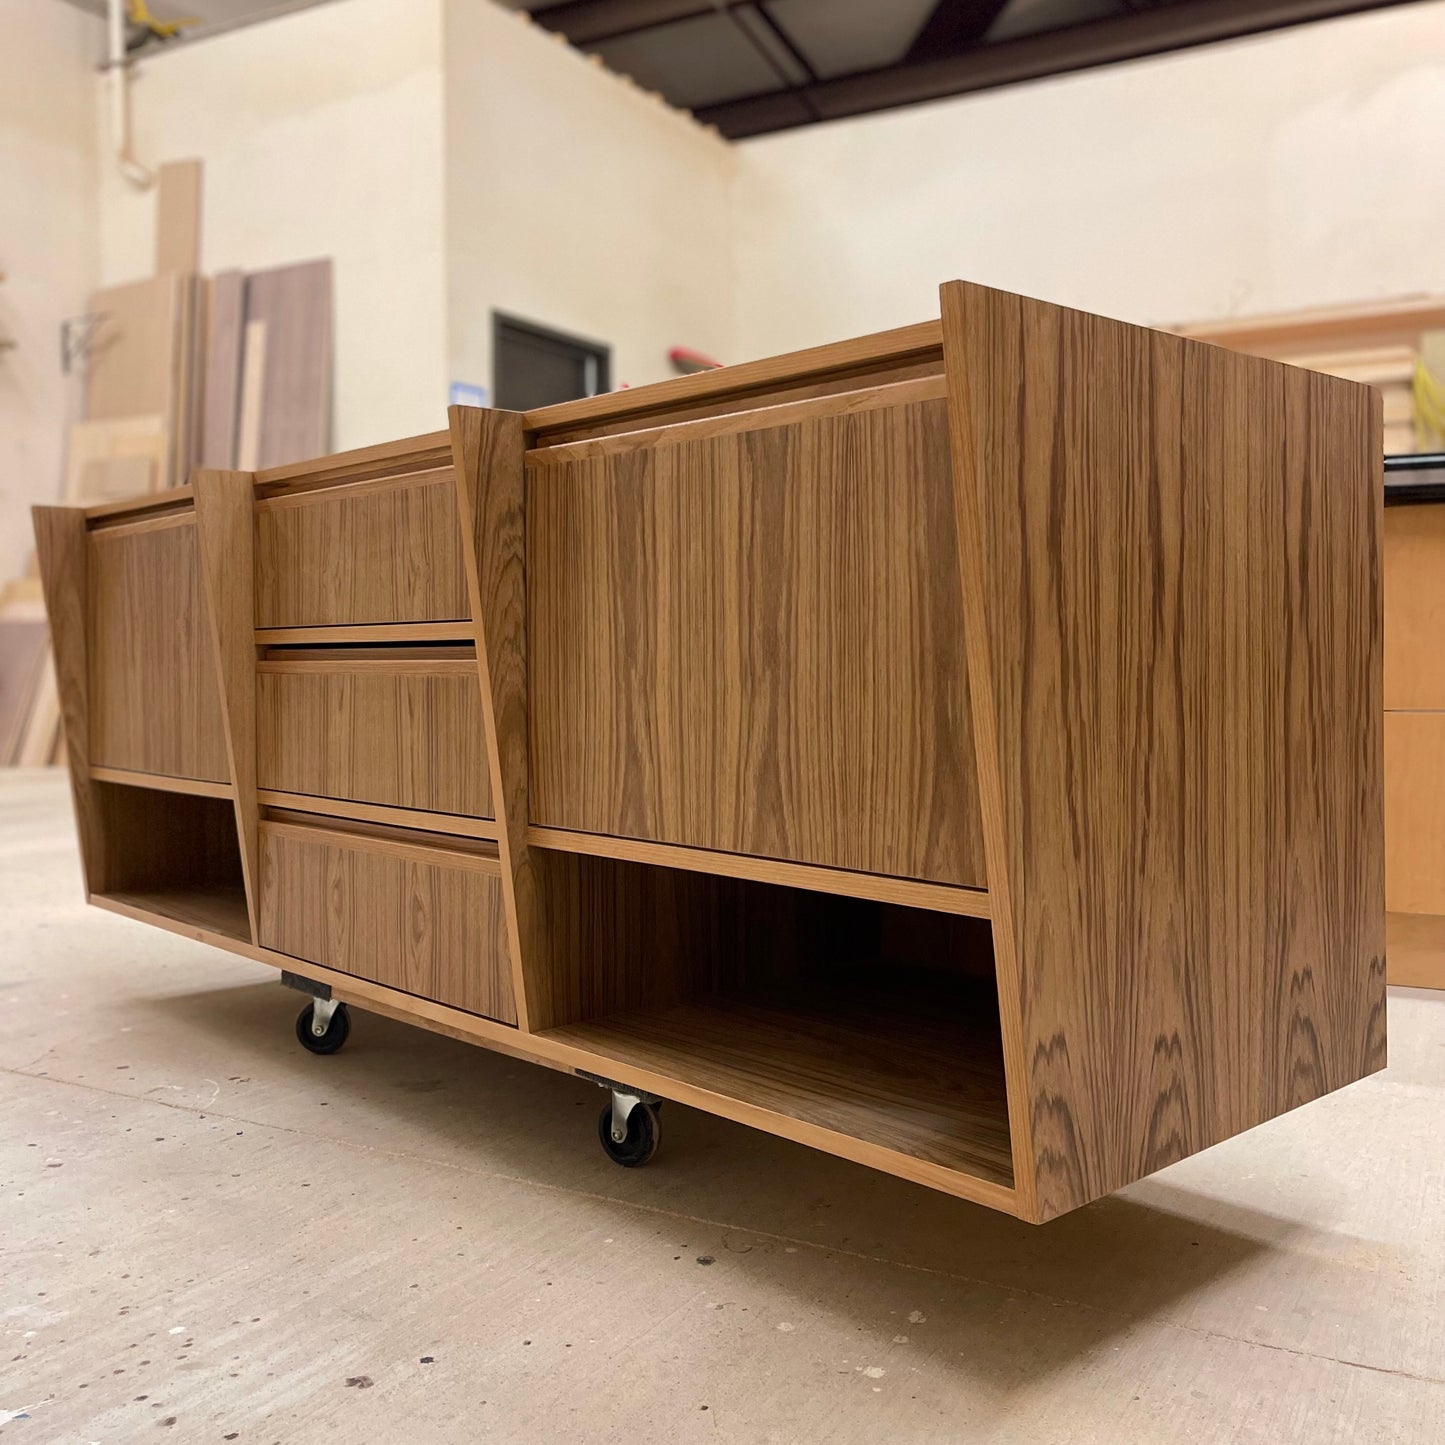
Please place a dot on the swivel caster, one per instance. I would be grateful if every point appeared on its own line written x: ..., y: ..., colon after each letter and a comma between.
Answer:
x: 629, y: 1129
x: 323, y: 1025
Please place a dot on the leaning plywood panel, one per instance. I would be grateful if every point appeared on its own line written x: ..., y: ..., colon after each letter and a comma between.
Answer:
x: 1175, y: 659
x: 221, y: 397
x: 294, y: 305
x: 135, y: 358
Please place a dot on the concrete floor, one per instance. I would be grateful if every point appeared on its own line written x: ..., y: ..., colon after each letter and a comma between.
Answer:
x: 206, y: 1231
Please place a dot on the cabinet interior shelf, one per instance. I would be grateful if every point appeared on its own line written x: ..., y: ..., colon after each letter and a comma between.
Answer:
x: 216, y: 908
x: 908, y: 1060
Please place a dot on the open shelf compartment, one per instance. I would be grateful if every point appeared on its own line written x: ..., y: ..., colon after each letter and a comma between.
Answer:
x: 172, y: 855
x: 870, y: 1020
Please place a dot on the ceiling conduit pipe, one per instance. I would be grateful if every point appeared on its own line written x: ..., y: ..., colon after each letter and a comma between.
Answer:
x: 118, y: 66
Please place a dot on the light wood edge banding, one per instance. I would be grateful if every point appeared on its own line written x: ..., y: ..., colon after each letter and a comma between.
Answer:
x: 330, y: 491
x: 323, y: 807
x: 760, y: 418
x: 384, y: 666
x: 749, y: 376
x: 914, y: 893
x: 419, y: 453
x: 399, y: 633
x: 161, y: 522
x: 162, y: 782
x: 435, y: 855
x: 104, y: 515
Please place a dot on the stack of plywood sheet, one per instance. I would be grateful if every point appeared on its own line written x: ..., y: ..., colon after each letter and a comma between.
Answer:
x: 267, y: 393
x: 1383, y: 344
x: 181, y: 371
x: 184, y: 372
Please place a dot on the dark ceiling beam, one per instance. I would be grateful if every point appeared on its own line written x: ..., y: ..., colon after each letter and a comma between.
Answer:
x: 1078, y: 47
x: 588, y: 22
x: 952, y: 26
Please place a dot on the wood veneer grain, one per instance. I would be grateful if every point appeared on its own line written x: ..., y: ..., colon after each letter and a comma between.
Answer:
x: 154, y: 701
x: 1180, y: 594
x: 487, y: 451
x: 1415, y: 812
x: 386, y: 459
x: 405, y: 734
x: 224, y: 501
x: 60, y: 545
x: 910, y: 1066
x: 753, y: 643
x: 969, y: 902
x: 769, y: 411
x: 858, y: 358
x: 163, y: 782
x: 1416, y: 946
x: 384, y: 814
x: 216, y: 908
x: 435, y: 929
x: 377, y: 554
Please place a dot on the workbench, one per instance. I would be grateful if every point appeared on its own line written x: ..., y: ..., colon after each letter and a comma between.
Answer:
x: 956, y: 749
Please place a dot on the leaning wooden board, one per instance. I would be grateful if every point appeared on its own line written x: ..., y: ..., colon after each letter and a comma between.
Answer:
x: 957, y: 749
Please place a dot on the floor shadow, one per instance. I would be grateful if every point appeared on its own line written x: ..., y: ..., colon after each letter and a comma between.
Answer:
x: 1017, y: 1300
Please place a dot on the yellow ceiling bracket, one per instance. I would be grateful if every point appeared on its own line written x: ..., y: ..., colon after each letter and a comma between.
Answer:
x: 162, y: 29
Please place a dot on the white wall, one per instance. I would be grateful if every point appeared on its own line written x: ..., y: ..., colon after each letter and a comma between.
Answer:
x: 1295, y: 169
x: 578, y: 202
x: 47, y: 245
x: 321, y: 133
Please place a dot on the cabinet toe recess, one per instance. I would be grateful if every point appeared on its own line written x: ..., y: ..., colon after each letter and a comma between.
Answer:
x: 957, y: 749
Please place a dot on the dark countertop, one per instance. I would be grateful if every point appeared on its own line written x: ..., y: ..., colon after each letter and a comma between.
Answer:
x: 1414, y: 478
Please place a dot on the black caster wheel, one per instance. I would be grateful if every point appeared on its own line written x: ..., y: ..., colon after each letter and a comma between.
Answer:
x: 644, y: 1134
x: 335, y: 1035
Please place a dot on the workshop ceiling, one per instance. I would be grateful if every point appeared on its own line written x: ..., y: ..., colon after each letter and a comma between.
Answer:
x: 754, y: 66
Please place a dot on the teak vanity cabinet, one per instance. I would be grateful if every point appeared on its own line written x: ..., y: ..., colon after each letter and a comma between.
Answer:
x: 958, y: 749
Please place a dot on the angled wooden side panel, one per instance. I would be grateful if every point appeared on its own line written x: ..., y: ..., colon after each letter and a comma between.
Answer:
x: 60, y: 547
x: 1177, y: 553
x: 487, y: 449
x: 224, y: 518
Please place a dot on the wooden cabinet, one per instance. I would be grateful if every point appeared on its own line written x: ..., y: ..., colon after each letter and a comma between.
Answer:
x: 957, y: 749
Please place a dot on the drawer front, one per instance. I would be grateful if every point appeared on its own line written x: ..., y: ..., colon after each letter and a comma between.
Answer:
x: 155, y: 705
x: 753, y: 643
x: 373, y: 552
x: 424, y: 920
x: 404, y: 734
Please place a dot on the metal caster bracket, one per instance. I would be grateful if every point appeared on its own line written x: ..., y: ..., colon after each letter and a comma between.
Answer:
x: 625, y: 1098
x: 322, y: 1010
